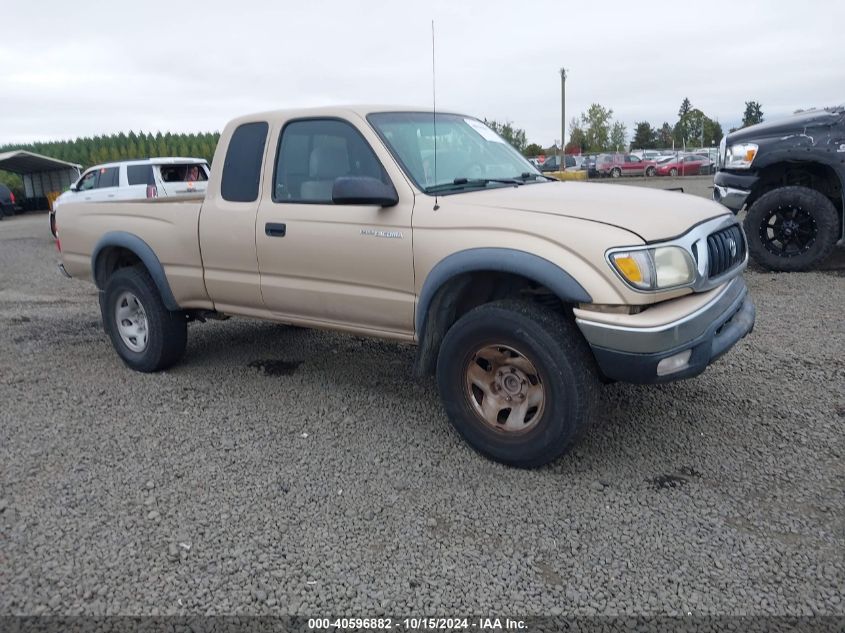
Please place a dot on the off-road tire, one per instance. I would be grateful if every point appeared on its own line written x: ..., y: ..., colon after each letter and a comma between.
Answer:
x: 565, y: 366
x: 825, y: 219
x: 167, y: 331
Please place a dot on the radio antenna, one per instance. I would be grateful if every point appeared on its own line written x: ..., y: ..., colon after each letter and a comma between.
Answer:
x: 434, y: 111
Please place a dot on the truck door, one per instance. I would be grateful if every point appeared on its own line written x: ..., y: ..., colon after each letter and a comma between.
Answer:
x: 227, y: 221
x: 345, y: 265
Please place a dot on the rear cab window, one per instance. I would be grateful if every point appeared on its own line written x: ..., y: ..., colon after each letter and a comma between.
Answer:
x: 242, y: 165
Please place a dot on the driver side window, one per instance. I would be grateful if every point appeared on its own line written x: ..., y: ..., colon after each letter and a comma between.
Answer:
x: 314, y: 153
x: 89, y: 181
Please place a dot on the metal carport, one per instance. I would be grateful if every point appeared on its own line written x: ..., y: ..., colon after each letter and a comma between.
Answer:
x: 41, y: 176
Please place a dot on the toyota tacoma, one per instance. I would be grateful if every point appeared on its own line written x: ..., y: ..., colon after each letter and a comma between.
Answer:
x: 522, y: 294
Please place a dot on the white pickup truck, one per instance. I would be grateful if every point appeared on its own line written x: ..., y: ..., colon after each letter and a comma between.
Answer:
x: 522, y: 293
x: 136, y: 180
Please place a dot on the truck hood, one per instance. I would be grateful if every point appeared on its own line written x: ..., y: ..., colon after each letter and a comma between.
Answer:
x: 797, y: 123
x: 652, y: 214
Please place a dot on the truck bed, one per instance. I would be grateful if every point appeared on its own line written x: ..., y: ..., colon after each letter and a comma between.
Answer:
x: 168, y: 226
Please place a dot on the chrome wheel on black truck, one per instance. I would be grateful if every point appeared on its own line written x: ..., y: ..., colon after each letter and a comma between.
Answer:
x: 518, y: 382
x: 791, y: 229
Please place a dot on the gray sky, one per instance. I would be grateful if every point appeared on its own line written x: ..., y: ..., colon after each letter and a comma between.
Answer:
x: 68, y: 71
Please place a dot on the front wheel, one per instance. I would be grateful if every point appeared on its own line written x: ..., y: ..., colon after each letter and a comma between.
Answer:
x: 615, y: 172
x: 673, y: 172
x: 791, y: 229
x: 518, y: 382
x: 145, y: 334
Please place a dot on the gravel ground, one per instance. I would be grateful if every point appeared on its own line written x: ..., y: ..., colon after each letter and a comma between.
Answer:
x: 279, y: 470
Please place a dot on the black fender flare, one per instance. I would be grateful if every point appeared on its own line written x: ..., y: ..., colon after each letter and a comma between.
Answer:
x: 133, y: 243
x: 506, y: 260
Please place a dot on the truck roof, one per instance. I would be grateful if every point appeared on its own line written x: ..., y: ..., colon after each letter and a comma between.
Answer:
x: 361, y: 110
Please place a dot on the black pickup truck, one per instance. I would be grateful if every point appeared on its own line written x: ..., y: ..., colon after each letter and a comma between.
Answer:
x: 790, y: 176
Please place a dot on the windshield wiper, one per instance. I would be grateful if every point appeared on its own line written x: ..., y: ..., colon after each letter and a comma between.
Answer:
x: 459, y: 183
x: 526, y: 175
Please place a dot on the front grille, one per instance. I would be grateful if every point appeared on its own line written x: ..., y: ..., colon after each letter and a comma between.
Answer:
x: 725, y: 250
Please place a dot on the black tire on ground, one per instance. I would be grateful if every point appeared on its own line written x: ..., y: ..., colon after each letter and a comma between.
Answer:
x: 791, y: 229
x: 615, y: 172
x: 673, y: 171
x: 650, y: 171
x: 565, y: 369
x: 166, y: 331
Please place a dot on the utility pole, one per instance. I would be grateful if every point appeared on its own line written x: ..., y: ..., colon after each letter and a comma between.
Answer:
x: 562, y: 116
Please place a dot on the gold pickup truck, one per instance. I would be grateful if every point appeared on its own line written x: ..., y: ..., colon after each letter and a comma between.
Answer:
x: 523, y: 294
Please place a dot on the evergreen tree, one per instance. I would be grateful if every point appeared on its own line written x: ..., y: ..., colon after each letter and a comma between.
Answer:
x: 753, y: 113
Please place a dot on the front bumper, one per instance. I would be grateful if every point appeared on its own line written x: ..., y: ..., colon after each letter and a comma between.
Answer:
x: 631, y: 354
x: 732, y: 190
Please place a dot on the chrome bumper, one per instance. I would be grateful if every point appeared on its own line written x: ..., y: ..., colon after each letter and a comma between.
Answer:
x: 733, y: 199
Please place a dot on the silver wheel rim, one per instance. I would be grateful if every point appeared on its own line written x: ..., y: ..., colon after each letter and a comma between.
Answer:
x: 504, y: 389
x: 131, y: 320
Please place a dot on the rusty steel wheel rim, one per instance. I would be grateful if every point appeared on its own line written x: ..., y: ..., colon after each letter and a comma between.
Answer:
x: 505, y: 389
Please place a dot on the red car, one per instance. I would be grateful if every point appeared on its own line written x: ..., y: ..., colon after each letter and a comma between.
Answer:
x: 616, y: 165
x: 685, y: 166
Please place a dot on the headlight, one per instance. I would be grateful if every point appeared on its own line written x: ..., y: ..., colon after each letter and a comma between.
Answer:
x: 740, y: 156
x: 655, y: 268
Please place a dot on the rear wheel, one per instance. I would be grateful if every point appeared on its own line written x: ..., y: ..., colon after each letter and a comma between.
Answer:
x: 791, y: 229
x: 145, y: 334
x: 518, y: 382
x: 651, y: 171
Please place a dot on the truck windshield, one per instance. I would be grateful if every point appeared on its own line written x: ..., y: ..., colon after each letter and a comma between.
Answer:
x: 469, y: 154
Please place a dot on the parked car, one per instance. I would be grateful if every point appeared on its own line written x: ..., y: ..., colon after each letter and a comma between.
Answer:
x: 618, y: 165
x: 590, y: 166
x: 711, y: 153
x: 790, y: 176
x: 8, y: 204
x: 646, y: 154
x: 552, y: 163
x: 522, y: 293
x: 691, y: 165
x: 136, y: 180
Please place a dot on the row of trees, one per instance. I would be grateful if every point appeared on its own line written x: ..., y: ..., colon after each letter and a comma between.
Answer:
x: 693, y: 128
x: 596, y: 131
x: 103, y: 149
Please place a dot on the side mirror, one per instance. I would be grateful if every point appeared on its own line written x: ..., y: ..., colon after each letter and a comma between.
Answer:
x: 74, y: 188
x: 363, y: 190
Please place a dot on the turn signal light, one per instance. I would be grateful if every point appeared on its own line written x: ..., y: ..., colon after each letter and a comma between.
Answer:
x: 628, y: 266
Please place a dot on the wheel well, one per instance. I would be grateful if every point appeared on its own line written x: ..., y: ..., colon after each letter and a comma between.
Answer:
x: 816, y: 176
x: 111, y: 259
x: 466, y: 291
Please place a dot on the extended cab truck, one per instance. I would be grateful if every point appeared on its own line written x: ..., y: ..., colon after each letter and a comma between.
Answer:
x: 522, y: 294
x: 790, y: 176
